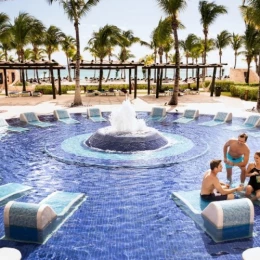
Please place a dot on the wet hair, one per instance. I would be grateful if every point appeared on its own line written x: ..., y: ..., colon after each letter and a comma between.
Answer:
x: 214, y: 164
x: 257, y: 153
x: 244, y: 135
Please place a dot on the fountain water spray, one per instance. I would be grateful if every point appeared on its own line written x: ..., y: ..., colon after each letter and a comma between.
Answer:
x: 123, y: 119
x: 126, y: 134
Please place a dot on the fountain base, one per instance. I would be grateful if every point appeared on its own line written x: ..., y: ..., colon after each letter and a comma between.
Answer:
x: 107, y: 140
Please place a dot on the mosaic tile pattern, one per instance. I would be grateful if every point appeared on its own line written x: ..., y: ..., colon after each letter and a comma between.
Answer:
x: 129, y: 213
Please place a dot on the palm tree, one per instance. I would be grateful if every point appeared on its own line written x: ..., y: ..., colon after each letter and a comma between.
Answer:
x: 172, y: 8
x: 188, y: 45
x: 126, y: 41
x: 6, y: 47
x: 101, y: 43
x: 251, y: 40
x: 68, y: 46
x: 236, y: 43
x: 222, y: 41
x: 4, y: 26
x: 76, y: 9
x: 92, y: 50
x: 167, y: 48
x: 37, y: 40
x: 209, y: 12
x: 161, y: 39
x: 25, y: 27
x: 250, y: 14
x: 53, y: 37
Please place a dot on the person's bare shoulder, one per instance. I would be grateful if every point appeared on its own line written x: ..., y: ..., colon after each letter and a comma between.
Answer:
x: 230, y: 141
x: 206, y: 173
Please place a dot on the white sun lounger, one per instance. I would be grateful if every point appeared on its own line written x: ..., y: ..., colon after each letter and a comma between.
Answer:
x: 188, y: 116
x: 5, y: 126
x: 63, y: 116
x: 219, y: 118
x: 158, y: 114
x: 251, y: 121
x: 32, y: 119
x: 95, y: 115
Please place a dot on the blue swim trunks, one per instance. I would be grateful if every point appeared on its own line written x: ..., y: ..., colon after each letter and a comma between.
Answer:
x: 234, y: 160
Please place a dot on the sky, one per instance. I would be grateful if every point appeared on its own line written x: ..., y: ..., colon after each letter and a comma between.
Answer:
x: 140, y: 16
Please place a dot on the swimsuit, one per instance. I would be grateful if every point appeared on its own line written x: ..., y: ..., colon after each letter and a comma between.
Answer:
x: 234, y: 160
x: 213, y: 197
x: 255, y: 180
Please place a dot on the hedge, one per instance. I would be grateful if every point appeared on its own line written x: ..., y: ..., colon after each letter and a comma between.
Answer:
x: 225, y: 86
x: 246, y: 92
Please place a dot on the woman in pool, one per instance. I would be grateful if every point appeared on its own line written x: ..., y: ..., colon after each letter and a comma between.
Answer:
x: 253, y: 171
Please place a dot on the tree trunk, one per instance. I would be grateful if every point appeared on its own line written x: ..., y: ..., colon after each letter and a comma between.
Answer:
x: 258, y: 96
x: 205, y: 53
x: 77, y: 97
x: 108, y: 75
x: 248, y: 72
x: 69, y: 70
x: 100, y: 79
x: 37, y: 75
x: 187, y: 60
x: 174, y: 98
x: 155, y: 58
x: 220, y: 54
x: 235, y: 64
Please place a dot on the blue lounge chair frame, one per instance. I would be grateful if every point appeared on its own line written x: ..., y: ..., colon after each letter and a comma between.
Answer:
x: 158, y: 114
x: 32, y: 119
x: 219, y: 118
x: 5, y: 126
x: 188, y: 116
x: 95, y: 115
x: 63, y: 116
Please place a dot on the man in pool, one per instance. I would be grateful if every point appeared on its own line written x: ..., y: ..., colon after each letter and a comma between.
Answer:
x: 236, y: 153
x: 214, y: 190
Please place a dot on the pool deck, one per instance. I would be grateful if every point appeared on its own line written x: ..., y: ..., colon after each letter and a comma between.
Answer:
x: 14, y: 106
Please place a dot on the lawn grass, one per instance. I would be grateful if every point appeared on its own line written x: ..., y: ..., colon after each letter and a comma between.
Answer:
x: 226, y: 94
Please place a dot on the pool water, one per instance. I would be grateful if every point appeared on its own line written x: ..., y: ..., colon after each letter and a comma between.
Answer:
x: 129, y: 213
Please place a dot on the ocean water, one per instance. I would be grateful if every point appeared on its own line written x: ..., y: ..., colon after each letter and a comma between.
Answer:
x: 114, y: 74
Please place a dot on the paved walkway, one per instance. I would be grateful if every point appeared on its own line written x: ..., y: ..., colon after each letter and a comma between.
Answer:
x: 13, y: 106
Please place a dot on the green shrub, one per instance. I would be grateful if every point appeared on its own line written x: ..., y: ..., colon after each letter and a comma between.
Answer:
x: 47, y: 89
x: 244, y: 91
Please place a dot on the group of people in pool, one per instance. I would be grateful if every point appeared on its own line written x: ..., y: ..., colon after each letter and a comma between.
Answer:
x: 236, y: 153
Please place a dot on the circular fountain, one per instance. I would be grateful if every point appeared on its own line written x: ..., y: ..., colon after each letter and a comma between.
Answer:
x: 128, y: 142
x: 126, y: 134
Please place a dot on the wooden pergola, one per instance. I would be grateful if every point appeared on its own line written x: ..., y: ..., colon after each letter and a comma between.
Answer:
x: 105, y: 65
x: 158, y: 67
x: 32, y: 65
x: 91, y: 65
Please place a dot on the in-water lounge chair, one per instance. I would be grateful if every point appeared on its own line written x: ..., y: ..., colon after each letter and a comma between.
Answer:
x: 11, y: 191
x: 95, y: 114
x: 157, y: 114
x: 250, y: 122
x: 188, y: 116
x: 5, y: 126
x: 32, y: 119
x: 219, y: 219
x: 63, y: 116
x: 219, y: 118
x: 35, y: 223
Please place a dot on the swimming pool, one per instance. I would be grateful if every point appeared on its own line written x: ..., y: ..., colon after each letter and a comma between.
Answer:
x: 129, y: 213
